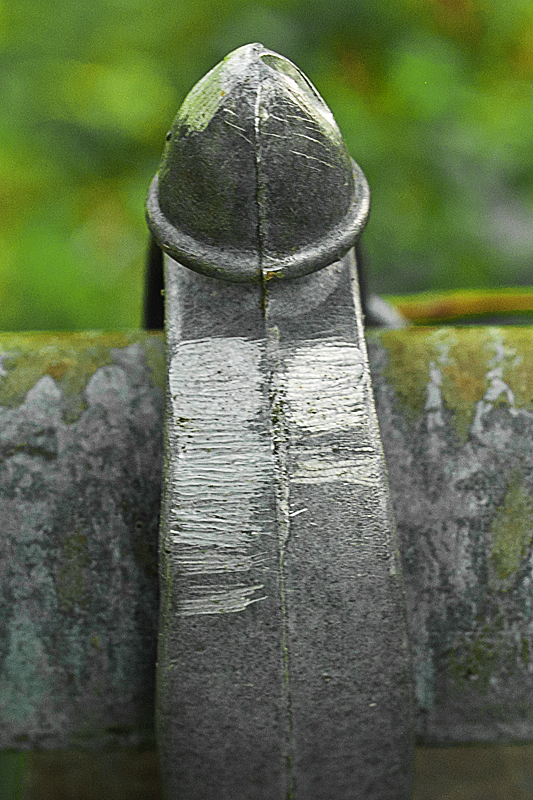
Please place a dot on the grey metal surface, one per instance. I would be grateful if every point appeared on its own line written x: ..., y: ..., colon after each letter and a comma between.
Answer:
x: 462, y: 492
x: 255, y: 179
x: 222, y: 717
x: 283, y: 659
x: 350, y: 673
x: 283, y: 662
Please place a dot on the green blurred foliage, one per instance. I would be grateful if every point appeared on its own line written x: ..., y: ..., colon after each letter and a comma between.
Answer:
x: 434, y: 98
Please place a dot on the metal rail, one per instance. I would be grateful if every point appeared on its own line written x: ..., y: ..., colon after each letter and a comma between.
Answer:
x: 81, y: 419
x: 283, y: 660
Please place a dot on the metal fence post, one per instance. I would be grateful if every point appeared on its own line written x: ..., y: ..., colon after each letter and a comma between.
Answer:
x: 283, y: 659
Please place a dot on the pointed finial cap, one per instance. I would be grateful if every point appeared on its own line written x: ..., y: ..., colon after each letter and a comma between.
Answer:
x: 255, y: 180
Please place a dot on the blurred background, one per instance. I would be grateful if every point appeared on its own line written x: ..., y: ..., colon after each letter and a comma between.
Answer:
x: 434, y: 98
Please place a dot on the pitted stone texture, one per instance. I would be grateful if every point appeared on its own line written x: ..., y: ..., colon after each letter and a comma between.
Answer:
x: 78, y: 556
x: 461, y: 490
x: 456, y: 417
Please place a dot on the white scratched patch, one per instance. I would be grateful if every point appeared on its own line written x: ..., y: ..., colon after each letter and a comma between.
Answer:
x: 222, y: 471
x: 208, y: 561
x: 365, y: 471
x: 327, y: 390
x: 220, y: 601
x: 326, y: 386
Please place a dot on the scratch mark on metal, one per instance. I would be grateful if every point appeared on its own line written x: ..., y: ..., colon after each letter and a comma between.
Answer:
x: 313, y: 158
x: 312, y: 139
x: 194, y: 560
x: 326, y: 386
x: 222, y: 452
x: 220, y: 601
x: 297, y: 513
x: 321, y: 469
x: 274, y: 116
x: 240, y: 131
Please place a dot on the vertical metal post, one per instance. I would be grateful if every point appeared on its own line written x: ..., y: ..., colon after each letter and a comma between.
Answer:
x: 283, y: 663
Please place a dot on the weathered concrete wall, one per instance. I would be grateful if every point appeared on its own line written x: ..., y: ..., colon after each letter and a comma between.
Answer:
x: 456, y: 417
x: 80, y: 470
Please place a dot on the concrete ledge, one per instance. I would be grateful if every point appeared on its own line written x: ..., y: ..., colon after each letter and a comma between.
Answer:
x: 455, y: 407
x: 80, y: 473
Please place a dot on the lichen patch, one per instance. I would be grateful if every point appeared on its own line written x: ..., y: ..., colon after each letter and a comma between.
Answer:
x: 511, y: 531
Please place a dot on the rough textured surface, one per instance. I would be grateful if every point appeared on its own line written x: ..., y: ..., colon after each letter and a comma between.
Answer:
x: 349, y: 670
x: 221, y: 716
x: 80, y: 468
x: 283, y: 663
x: 456, y: 416
x: 454, y: 407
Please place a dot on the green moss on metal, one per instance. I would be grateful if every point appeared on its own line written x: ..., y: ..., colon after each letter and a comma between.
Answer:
x: 453, y: 354
x: 72, y: 581
x: 200, y: 105
x: 70, y: 359
x: 464, y: 377
x: 487, y: 652
x: 476, y: 656
x: 408, y: 366
x: 518, y: 367
x: 465, y: 359
x: 511, y: 531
